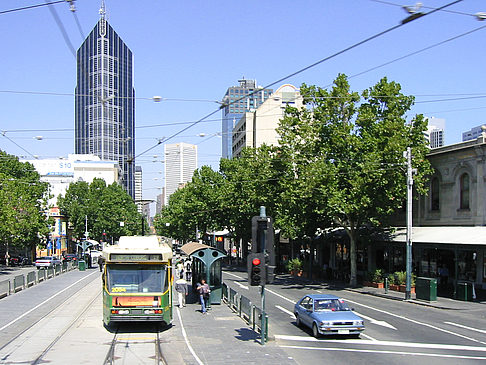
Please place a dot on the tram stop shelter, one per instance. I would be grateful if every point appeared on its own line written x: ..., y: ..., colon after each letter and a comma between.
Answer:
x: 206, y: 264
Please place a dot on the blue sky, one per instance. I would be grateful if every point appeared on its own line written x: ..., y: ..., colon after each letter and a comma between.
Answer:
x: 195, y: 50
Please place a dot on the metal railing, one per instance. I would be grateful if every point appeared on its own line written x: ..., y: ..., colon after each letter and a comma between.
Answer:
x: 250, y: 313
x: 31, y: 278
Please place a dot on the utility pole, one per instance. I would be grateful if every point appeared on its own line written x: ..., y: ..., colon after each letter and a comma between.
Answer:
x: 408, y: 156
x: 264, y: 279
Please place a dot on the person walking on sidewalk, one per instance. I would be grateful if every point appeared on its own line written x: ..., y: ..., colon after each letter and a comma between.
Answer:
x: 181, y: 289
x: 203, y: 290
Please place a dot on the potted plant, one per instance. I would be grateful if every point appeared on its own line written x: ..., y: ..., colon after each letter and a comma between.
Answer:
x: 375, y: 279
x: 393, y: 282
x: 294, y: 266
x: 401, y: 277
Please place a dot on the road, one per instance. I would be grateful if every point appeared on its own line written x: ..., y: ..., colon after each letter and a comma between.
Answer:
x: 397, y: 332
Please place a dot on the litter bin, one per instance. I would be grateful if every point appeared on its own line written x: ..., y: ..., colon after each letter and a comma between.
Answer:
x: 426, y: 289
x: 82, y: 265
x: 464, y: 291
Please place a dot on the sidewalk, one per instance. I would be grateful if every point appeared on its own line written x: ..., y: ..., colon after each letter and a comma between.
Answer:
x: 440, y: 303
x: 218, y: 337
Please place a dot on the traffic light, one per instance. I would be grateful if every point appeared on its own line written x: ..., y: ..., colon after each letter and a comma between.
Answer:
x: 256, y: 269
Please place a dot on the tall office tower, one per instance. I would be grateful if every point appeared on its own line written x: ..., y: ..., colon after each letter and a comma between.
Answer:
x: 435, y: 132
x: 138, y: 189
x: 252, y: 97
x: 180, y: 163
x: 105, y: 100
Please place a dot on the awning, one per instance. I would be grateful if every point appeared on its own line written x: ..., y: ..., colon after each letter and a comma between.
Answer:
x: 442, y: 235
x: 191, y: 247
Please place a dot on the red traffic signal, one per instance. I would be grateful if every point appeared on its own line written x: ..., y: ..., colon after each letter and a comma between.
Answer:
x: 256, y: 269
x: 256, y: 262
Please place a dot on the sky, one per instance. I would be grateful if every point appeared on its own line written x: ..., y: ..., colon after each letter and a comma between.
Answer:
x: 190, y: 52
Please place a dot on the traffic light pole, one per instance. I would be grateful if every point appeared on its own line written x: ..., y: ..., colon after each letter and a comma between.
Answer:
x: 264, y: 280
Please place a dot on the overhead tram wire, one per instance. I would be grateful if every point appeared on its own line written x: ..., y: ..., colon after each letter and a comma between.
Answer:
x: 62, y: 29
x: 355, y: 45
x: 31, y: 7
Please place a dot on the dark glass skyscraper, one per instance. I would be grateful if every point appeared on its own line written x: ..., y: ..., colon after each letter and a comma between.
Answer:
x: 252, y: 97
x: 105, y: 100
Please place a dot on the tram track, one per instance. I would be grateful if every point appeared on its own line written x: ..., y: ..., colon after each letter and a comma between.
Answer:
x: 6, y: 358
x: 131, y: 345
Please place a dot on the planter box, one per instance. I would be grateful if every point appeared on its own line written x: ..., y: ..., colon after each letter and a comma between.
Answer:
x: 395, y: 287
x: 403, y: 289
x: 374, y: 285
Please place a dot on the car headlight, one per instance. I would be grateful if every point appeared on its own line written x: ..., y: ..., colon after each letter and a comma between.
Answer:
x: 325, y: 324
x: 358, y: 323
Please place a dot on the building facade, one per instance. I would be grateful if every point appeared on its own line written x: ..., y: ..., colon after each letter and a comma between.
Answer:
x: 259, y: 126
x: 436, y: 132
x: 138, y: 189
x: 473, y: 133
x: 105, y: 100
x: 180, y: 164
x: 238, y: 100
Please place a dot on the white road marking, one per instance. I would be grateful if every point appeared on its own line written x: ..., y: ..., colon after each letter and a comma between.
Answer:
x: 241, y: 285
x: 466, y: 327
x: 231, y: 274
x: 281, y: 296
x: 369, y: 337
x: 187, y: 340
x: 286, y: 311
x: 375, y: 321
x: 435, y: 346
x: 387, y: 352
x: 45, y: 301
x: 418, y: 322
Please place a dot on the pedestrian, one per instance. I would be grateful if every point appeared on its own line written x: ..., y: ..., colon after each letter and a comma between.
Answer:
x: 182, y: 291
x: 101, y: 262
x: 203, y: 290
x: 179, y: 268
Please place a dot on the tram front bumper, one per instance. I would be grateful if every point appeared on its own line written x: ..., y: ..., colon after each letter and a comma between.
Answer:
x: 138, y: 314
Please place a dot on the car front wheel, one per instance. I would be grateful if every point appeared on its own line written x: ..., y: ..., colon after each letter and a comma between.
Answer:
x: 297, y: 320
x: 315, y: 331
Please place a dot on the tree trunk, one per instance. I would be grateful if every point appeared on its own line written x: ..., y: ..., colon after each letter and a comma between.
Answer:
x: 352, y: 257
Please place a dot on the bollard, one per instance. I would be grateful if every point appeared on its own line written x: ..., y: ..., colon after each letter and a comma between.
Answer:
x: 386, y: 285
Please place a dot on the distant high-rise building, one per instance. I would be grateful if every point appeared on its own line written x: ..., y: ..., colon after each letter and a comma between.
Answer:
x: 436, y: 132
x: 473, y: 133
x: 260, y: 126
x: 160, y: 202
x: 180, y: 163
x: 105, y: 100
x: 138, y: 189
x: 252, y: 96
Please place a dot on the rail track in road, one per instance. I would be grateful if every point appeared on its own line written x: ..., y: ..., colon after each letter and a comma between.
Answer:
x: 133, y: 347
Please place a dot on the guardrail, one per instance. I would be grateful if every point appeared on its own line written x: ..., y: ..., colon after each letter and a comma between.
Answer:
x: 31, y: 278
x: 250, y: 313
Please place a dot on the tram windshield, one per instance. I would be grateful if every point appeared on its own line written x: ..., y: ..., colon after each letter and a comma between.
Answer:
x: 136, y: 278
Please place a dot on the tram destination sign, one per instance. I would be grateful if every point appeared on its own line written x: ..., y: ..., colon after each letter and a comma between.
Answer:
x: 135, y: 257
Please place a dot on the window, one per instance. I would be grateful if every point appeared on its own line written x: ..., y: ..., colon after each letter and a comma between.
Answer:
x: 434, y: 194
x: 464, y: 193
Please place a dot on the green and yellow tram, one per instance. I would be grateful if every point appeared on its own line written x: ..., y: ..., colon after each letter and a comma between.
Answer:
x: 137, y: 280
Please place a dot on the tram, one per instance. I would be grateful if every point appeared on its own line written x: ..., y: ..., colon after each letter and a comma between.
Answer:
x: 137, y: 280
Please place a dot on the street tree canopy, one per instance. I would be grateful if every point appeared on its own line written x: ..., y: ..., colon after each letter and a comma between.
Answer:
x: 104, y: 207
x: 347, y: 150
x: 23, y: 203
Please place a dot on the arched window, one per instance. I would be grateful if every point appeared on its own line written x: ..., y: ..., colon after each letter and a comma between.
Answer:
x: 464, y: 186
x: 434, y: 194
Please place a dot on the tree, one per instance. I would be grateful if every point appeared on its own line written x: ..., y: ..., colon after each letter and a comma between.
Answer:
x: 346, y: 154
x: 103, y: 206
x: 23, y: 202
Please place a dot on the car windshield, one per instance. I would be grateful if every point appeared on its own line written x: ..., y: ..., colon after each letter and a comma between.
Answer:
x: 334, y: 305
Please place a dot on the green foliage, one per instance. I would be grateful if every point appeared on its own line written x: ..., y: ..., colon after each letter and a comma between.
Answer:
x: 346, y: 155
x: 376, y: 276
x: 104, y: 206
x: 294, y: 265
x: 23, y: 199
